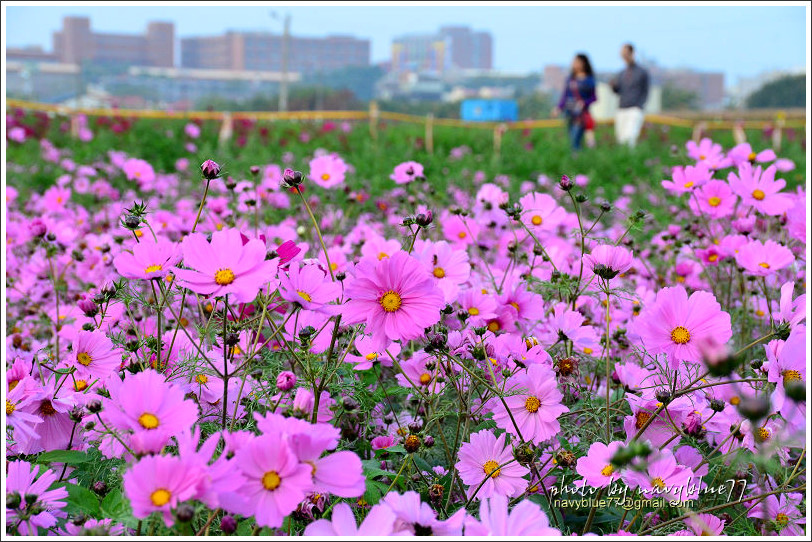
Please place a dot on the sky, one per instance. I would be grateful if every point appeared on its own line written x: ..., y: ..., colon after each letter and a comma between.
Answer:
x: 737, y: 40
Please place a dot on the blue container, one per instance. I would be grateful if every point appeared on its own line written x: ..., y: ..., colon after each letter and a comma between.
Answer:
x: 489, y: 110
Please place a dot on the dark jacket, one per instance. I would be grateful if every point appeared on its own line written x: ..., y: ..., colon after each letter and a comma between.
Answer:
x: 632, y: 86
x: 575, y: 90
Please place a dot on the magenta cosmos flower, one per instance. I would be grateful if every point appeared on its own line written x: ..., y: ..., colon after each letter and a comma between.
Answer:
x: 760, y: 190
x: 138, y: 170
x: 310, y: 287
x: 596, y: 467
x: 159, y: 484
x: 149, y: 259
x: 715, y: 199
x: 225, y: 266
x: 535, y: 408
x: 676, y: 325
x: 663, y: 477
x: 276, y: 480
x: 22, y: 481
x: 480, y: 461
x: 94, y: 355
x: 380, y: 521
x: 702, y: 525
x: 540, y: 212
x: 328, y: 171
x: 763, y: 259
x: 686, y: 179
x: 407, y: 172
x: 608, y: 261
x: 525, y: 519
x: 395, y: 296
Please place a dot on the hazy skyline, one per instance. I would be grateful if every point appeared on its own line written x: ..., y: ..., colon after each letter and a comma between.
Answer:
x: 736, y: 40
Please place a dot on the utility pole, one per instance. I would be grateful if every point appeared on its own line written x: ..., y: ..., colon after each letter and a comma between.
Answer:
x: 283, y: 87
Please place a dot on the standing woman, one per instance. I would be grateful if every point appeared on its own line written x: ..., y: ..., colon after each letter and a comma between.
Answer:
x: 578, y: 95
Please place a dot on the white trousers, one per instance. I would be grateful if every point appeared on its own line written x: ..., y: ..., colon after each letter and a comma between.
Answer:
x: 628, y: 122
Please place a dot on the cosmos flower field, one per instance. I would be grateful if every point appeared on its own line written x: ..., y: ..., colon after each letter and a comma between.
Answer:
x: 308, y: 331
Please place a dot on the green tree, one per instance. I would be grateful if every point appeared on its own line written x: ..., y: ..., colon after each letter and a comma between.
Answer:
x: 788, y: 91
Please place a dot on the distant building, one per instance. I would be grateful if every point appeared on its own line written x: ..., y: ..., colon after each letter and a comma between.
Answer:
x: 42, y: 81
x: 708, y: 86
x: 76, y: 43
x: 32, y: 53
x: 553, y: 79
x: 451, y: 48
x: 262, y: 51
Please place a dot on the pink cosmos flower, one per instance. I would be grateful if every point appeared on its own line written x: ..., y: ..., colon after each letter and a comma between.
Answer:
x: 22, y: 399
x: 525, y: 519
x: 310, y: 287
x: 192, y: 130
x: 148, y: 406
x: 784, y: 511
x: 159, y: 483
x: 396, y: 297
x: 339, y: 473
x: 459, y: 231
x: 675, y: 324
x: 480, y: 307
x: 596, y: 467
x: 55, y: 198
x: 420, y: 375
x: 714, y: 199
x: 378, y: 248
x: 686, y: 179
x: 708, y: 153
x: 328, y: 171
x: 760, y: 190
x: 788, y: 366
x: 480, y: 460
x: 225, y: 266
x: 569, y: 325
x: 275, y: 479
x: 414, y: 517
x: 379, y: 521
x: 22, y: 481
x: 608, y: 261
x: 743, y: 154
x: 535, y: 408
x: 790, y: 311
x: 93, y: 355
x: 407, y: 172
x: 139, y: 170
x: 702, y: 525
x: 369, y: 355
x: 540, y: 212
x: 764, y: 259
x: 663, y: 477
x: 448, y: 265
x: 149, y: 259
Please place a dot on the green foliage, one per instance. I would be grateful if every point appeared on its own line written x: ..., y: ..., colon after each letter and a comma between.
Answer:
x: 789, y: 91
x: 675, y: 98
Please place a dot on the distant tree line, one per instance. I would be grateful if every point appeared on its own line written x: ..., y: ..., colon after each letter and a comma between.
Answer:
x: 789, y: 91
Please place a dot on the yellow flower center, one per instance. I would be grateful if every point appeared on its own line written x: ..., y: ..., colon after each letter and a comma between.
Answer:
x: 607, y: 470
x: 148, y: 420
x: 713, y: 257
x: 153, y: 268
x: 491, y: 467
x: 382, y: 255
x: 587, y: 350
x: 201, y: 379
x: 641, y: 419
x: 461, y: 235
x: 713, y: 201
x: 759, y: 312
x: 10, y: 407
x: 532, y: 404
x: 765, y: 265
x: 473, y: 311
x: 790, y: 375
x: 160, y: 497
x: 333, y: 266
x: 702, y: 157
x: 536, y: 220
x: 494, y: 326
x: 305, y: 296
x: 271, y: 480
x: 782, y: 519
x: 689, y: 184
x: 80, y: 385
x: 658, y: 483
x: 425, y: 378
x: 84, y: 358
x: 372, y: 356
x: 47, y: 408
x: 325, y: 176
x: 680, y: 335
x: 224, y: 277
x: 439, y: 272
x: 751, y: 157
x: 758, y: 194
x: 390, y: 301
x: 514, y: 305
x: 735, y: 400
x: 763, y: 434
x: 139, y: 233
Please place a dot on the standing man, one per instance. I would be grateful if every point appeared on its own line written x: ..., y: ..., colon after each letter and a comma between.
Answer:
x: 632, y: 87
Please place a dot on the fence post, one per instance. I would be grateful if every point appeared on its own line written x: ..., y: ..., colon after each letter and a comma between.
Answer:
x: 373, y: 120
x: 226, y: 129
x: 498, y: 130
x: 779, y: 126
x: 698, y: 129
x: 430, y: 133
x: 738, y: 133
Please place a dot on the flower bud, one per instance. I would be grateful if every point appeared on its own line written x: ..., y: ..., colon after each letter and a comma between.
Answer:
x: 37, y: 227
x: 424, y: 219
x: 292, y: 179
x: 185, y: 513
x: 565, y: 184
x: 412, y: 443
x: 228, y: 525
x: 99, y: 487
x: 754, y: 408
x: 210, y: 169
x: 428, y: 441
x: 88, y: 306
x: 94, y: 406
x: 285, y: 381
